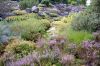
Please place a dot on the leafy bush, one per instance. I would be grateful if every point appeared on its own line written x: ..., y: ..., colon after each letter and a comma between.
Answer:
x: 56, y: 1
x: 28, y: 3
x: 2, y: 47
x: 86, y: 21
x: 65, y: 21
x: 20, y: 48
x: 89, y: 19
x: 30, y: 29
x: 41, y: 5
x: 69, y: 18
x: 77, y: 2
x: 20, y: 17
x: 1, y: 62
x: 73, y: 2
x: 46, y: 2
x: 76, y: 36
x: 34, y: 30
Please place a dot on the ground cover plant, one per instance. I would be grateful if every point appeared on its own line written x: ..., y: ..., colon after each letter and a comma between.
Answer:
x: 50, y: 33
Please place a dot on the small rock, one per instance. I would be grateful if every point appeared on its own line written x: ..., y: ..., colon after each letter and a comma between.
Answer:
x: 42, y: 14
x: 35, y: 9
x: 28, y: 10
x: 0, y: 18
x: 4, y: 39
x: 4, y: 15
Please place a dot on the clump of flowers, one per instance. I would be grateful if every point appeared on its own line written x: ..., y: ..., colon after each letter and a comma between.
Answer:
x: 67, y: 59
x: 90, y: 51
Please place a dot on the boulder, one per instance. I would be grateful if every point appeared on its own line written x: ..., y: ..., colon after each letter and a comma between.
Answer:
x: 41, y: 14
x: 35, y: 9
x: 28, y: 10
x: 4, y: 39
x: 64, y: 14
x: 6, y: 14
x: 1, y: 19
x: 7, y: 7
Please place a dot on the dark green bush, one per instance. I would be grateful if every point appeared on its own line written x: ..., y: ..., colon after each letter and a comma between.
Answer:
x: 77, y: 2
x: 57, y: 1
x: 89, y: 19
x: 27, y: 3
x: 46, y: 2
x: 35, y: 29
x: 86, y: 21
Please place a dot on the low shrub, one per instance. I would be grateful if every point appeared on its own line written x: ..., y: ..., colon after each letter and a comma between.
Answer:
x: 1, y: 62
x: 73, y: 2
x: 35, y: 30
x: 20, y: 17
x: 27, y: 3
x: 89, y: 52
x: 69, y: 18
x: 87, y: 21
x: 41, y: 5
x: 30, y: 29
x: 2, y: 47
x: 20, y: 48
x: 19, y: 12
x: 65, y: 21
x: 77, y: 36
x: 46, y: 2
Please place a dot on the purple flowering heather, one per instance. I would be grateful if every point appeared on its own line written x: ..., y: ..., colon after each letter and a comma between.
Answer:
x: 32, y: 58
x: 52, y: 42
x: 67, y: 59
x: 41, y: 42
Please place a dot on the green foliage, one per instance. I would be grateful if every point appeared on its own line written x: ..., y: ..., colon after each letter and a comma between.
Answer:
x: 2, y: 47
x: 46, y: 2
x: 77, y: 36
x: 30, y: 28
x: 65, y: 21
x: 86, y: 21
x: 57, y: 1
x: 89, y: 19
x: 77, y: 2
x: 69, y: 18
x: 82, y: 2
x: 1, y: 62
x: 34, y: 29
x: 20, y: 17
x: 28, y: 3
x: 95, y: 6
x: 73, y: 2
x: 20, y: 48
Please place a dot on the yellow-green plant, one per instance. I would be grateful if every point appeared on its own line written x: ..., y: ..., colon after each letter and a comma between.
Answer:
x: 30, y: 29
x: 20, y: 17
x: 20, y: 48
x: 19, y: 12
